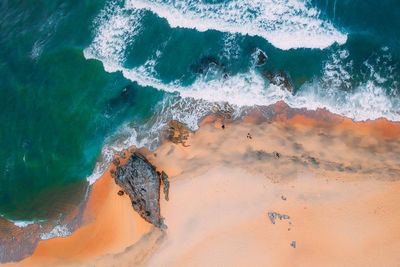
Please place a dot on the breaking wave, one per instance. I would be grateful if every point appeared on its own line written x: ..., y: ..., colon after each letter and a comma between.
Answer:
x: 285, y: 24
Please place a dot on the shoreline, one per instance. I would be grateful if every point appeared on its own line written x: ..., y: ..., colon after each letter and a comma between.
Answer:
x: 135, y: 234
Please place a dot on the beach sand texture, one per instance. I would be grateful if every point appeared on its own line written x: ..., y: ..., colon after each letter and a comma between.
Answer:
x: 336, y: 180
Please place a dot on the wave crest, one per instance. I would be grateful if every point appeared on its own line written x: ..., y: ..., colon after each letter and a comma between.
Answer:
x: 285, y: 24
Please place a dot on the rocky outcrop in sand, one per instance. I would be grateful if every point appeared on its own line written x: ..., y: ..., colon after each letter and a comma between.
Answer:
x: 178, y: 133
x: 164, y: 178
x: 139, y: 179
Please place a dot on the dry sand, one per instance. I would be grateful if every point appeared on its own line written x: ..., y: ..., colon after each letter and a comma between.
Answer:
x: 340, y: 180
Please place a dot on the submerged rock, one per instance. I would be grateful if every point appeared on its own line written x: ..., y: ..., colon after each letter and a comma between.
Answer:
x: 260, y: 57
x: 281, y: 79
x: 206, y: 63
x: 140, y: 181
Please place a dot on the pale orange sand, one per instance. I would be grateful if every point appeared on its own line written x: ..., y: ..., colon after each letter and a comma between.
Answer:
x: 341, y: 185
x: 340, y: 180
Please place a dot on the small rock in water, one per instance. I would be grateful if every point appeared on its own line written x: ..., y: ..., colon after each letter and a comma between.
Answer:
x: 293, y: 244
x: 260, y: 57
x: 281, y: 79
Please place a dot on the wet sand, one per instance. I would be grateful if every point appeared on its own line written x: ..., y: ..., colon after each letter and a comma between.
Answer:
x: 340, y: 180
x: 111, y: 228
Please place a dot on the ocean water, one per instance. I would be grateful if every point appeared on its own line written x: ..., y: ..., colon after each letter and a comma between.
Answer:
x: 83, y: 79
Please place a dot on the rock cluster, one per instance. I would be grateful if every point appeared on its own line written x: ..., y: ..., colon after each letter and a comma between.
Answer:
x: 224, y: 113
x: 164, y: 178
x: 178, y: 133
x: 274, y: 215
x: 139, y: 179
x: 260, y: 57
x: 280, y: 79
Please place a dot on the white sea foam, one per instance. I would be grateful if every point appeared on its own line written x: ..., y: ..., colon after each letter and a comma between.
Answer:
x: 117, y: 26
x: 231, y: 48
x: 368, y: 101
x: 251, y: 88
x: 57, y: 231
x: 285, y: 24
x: 186, y: 110
x: 115, y: 29
x: 22, y: 224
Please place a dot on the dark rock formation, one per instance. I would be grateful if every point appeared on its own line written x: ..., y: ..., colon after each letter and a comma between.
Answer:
x: 140, y: 181
x: 260, y: 57
x: 116, y: 161
x: 127, y: 91
x: 281, y: 79
x: 274, y: 215
x: 224, y: 113
x: 205, y: 64
x: 178, y: 133
x: 128, y: 94
x: 164, y: 178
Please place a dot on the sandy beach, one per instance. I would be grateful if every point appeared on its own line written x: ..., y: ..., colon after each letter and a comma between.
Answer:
x: 111, y: 228
x: 335, y: 182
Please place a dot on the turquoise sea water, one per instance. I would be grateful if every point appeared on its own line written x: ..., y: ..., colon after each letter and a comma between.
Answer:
x: 82, y: 79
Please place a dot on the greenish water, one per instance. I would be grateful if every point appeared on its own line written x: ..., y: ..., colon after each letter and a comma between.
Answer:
x: 57, y: 107
x: 73, y: 72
